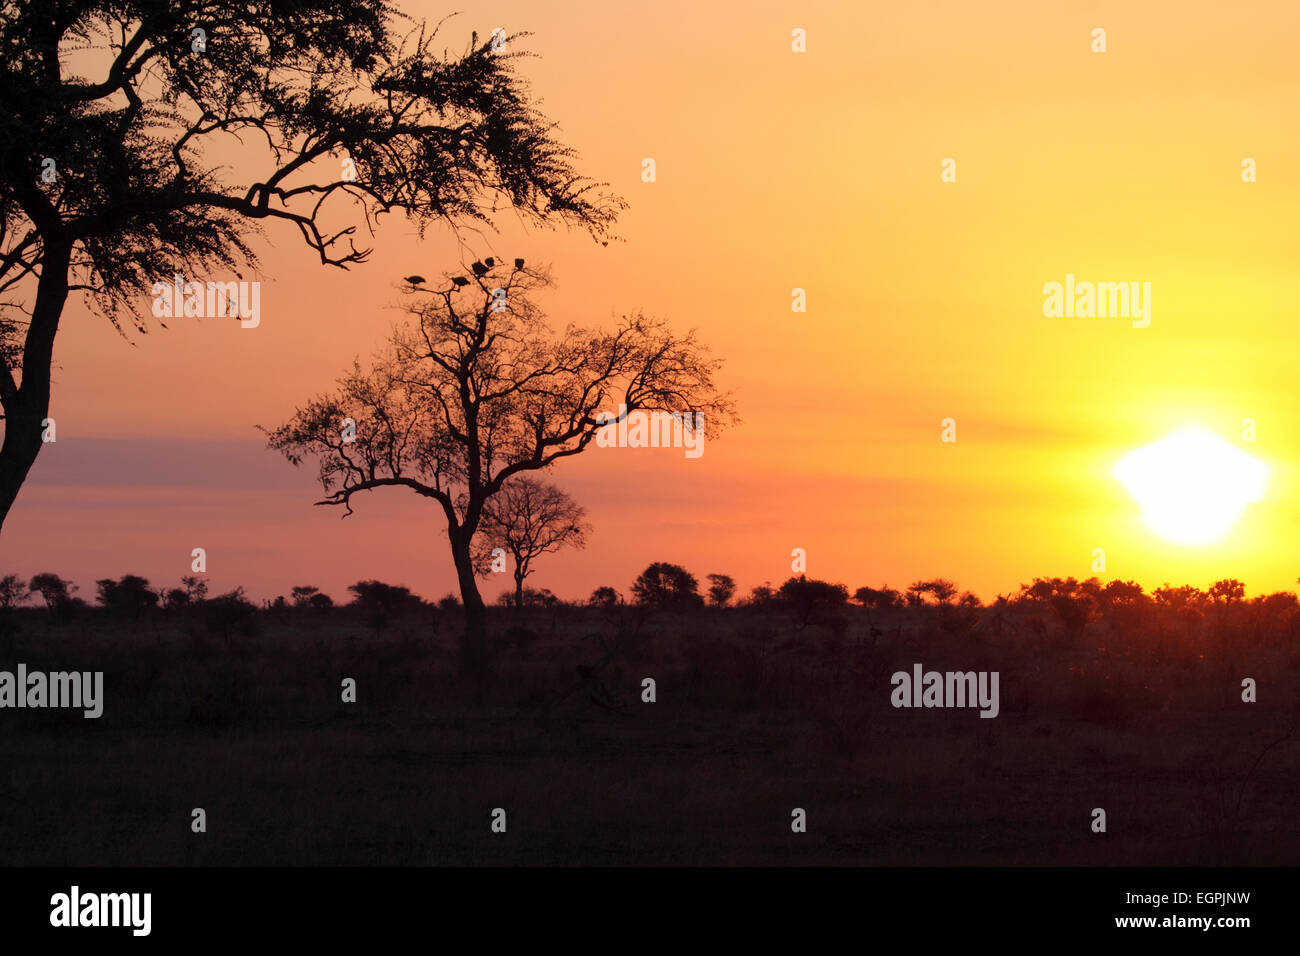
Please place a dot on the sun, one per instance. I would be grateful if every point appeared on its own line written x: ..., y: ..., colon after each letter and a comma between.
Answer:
x: 1192, y: 485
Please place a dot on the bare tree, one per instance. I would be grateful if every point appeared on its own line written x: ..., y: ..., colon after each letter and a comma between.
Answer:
x: 479, y: 388
x: 346, y: 112
x: 528, y: 518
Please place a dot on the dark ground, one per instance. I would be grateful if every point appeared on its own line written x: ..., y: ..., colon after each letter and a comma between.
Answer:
x: 754, y: 717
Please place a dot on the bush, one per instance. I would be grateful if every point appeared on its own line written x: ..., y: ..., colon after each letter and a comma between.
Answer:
x: 231, y: 614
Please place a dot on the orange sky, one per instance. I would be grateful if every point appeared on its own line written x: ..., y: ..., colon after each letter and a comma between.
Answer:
x: 779, y: 170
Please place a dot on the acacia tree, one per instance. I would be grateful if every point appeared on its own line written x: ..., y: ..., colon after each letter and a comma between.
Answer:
x: 54, y: 591
x: 477, y: 389
x: 528, y: 518
x: 344, y: 107
x: 664, y: 584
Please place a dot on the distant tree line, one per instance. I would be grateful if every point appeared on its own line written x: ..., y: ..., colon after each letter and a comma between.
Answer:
x: 663, y: 585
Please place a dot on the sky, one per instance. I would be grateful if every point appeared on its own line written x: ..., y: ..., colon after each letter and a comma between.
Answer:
x: 779, y: 170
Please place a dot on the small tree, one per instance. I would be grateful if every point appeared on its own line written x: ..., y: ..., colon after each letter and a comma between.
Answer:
x: 721, y: 589
x: 878, y: 597
x: 1226, y: 592
x: 528, y: 518
x: 54, y: 591
x: 537, y: 597
x: 605, y: 597
x: 302, y: 595
x: 666, y: 585
x: 1076, y: 611
x: 1185, y: 598
x: 129, y: 595
x: 13, y: 591
x: 941, y: 589
x: 479, y: 389
x: 378, y: 597
x: 806, y: 596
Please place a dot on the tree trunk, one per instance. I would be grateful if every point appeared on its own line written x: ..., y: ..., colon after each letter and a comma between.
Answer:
x: 26, y: 408
x: 474, y: 643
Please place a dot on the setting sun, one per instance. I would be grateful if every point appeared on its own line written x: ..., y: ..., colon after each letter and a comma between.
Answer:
x: 1192, y: 486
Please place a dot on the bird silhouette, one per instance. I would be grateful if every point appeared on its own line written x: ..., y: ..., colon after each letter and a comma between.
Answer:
x: 490, y: 262
x: 479, y: 269
x: 460, y: 281
x: 519, y: 263
x: 414, y: 280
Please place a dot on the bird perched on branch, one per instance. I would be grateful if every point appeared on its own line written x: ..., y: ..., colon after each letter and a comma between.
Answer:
x: 519, y: 263
x: 479, y: 269
x: 459, y: 281
x: 414, y: 280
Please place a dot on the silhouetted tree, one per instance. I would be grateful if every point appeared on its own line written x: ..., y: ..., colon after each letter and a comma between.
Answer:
x: 666, y: 585
x: 537, y: 597
x: 1179, y: 598
x: 605, y: 597
x: 1227, y: 591
x: 320, y: 600
x: 376, y: 596
x: 878, y: 597
x: 480, y: 389
x: 349, y: 119
x: 721, y: 589
x: 13, y: 591
x: 1124, y: 603
x: 1076, y: 611
x: 54, y: 591
x: 805, y: 596
x: 302, y: 595
x: 941, y: 589
x: 528, y: 518
x: 129, y: 595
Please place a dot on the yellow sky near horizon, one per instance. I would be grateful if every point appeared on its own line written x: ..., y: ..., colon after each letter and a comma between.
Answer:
x: 820, y: 171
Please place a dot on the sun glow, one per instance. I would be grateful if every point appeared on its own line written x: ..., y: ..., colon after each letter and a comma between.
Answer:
x: 1192, y: 485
